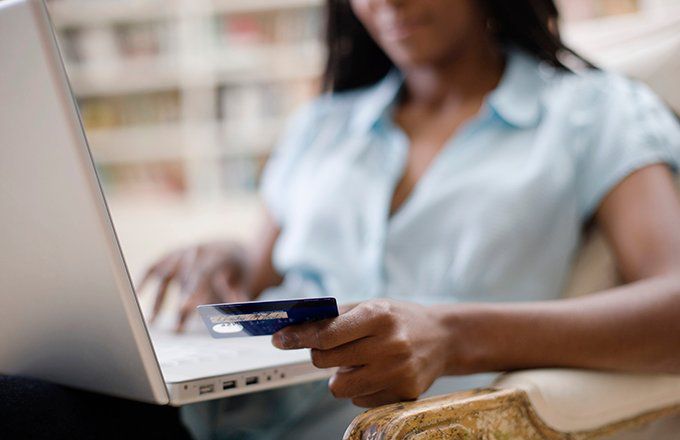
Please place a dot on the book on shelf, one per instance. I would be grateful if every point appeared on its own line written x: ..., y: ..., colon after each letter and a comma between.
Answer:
x: 130, y: 110
x: 270, y: 27
x: 145, y: 85
x: 166, y: 178
x: 239, y: 175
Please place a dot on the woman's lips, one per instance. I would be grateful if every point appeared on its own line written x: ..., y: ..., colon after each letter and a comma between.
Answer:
x: 402, y: 29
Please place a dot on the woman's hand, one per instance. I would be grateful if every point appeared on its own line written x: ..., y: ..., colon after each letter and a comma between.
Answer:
x: 387, y: 351
x: 206, y: 273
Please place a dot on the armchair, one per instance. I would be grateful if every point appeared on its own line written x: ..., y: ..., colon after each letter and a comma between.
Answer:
x: 542, y: 404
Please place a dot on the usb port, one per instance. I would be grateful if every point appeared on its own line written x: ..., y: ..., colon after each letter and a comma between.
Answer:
x: 228, y: 384
x: 205, y: 389
x: 252, y: 380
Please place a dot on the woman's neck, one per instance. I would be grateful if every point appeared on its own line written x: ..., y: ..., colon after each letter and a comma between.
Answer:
x: 473, y: 71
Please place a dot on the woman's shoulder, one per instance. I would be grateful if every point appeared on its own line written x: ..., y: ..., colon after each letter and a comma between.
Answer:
x: 600, y: 106
x: 613, y: 125
x: 600, y: 93
x: 593, y: 80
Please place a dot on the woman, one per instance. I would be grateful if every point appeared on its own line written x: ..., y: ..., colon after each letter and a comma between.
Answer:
x: 441, y: 185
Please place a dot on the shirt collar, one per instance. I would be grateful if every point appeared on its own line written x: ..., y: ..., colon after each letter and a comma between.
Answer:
x: 377, y: 101
x: 516, y: 99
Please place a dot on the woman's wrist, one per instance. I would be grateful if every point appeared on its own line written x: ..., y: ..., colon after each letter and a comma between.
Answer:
x: 474, y: 340
x: 507, y: 336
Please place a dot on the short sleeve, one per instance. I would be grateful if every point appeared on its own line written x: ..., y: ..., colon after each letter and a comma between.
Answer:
x: 632, y: 128
x: 286, y: 156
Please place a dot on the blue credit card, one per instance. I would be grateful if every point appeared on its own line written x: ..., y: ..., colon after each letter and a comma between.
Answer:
x: 259, y: 318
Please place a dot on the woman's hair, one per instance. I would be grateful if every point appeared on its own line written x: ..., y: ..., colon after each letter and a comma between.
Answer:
x: 355, y: 60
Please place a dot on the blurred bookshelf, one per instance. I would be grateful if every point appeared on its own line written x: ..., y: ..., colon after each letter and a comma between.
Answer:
x: 187, y: 97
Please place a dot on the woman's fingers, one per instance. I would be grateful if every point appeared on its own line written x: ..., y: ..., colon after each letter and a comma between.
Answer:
x: 184, y: 312
x: 226, y: 288
x: 189, y: 266
x: 350, y: 383
x: 196, y: 290
x: 153, y: 271
x: 327, y: 334
x: 376, y: 399
x: 161, y: 292
x: 189, y: 306
x: 372, y: 385
x: 148, y: 274
x: 166, y: 271
x: 353, y: 354
x: 167, y: 264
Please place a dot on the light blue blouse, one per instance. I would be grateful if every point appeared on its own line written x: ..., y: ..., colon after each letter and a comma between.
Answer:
x: 496, y: 217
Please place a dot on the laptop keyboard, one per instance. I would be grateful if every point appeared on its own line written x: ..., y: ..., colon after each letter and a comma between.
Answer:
x: 195, y: 354
x: 175, y: 350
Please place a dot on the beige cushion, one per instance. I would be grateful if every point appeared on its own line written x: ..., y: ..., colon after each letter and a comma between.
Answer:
x: 575, y: 400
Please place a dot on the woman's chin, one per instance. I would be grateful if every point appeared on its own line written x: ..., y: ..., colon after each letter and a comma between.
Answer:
x: 415, y: 52
x: 411, y: 60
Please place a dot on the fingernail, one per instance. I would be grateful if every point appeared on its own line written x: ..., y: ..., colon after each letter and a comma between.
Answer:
x: 288, y: 340
x: 279, y: 340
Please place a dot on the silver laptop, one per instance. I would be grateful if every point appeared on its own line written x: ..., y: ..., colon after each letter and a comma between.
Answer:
x: 68, y: 311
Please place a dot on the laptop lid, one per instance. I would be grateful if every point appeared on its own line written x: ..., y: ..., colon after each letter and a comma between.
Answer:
x: 68, y: 312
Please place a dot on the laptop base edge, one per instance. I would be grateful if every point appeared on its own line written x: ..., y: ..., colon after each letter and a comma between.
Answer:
x: 216, y: 387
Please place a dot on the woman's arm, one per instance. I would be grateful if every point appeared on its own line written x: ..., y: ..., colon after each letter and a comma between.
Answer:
x: 393, y: 351
x: 635, y: 327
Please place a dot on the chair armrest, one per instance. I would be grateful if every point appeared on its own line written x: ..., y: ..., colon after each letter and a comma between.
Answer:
x: 552, y: 404
x: 480, y: 413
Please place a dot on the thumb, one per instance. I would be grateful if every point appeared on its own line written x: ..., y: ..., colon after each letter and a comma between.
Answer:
x: 344, y: 308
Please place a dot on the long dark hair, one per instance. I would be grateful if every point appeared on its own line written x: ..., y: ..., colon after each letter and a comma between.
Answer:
x: 355, y: 60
